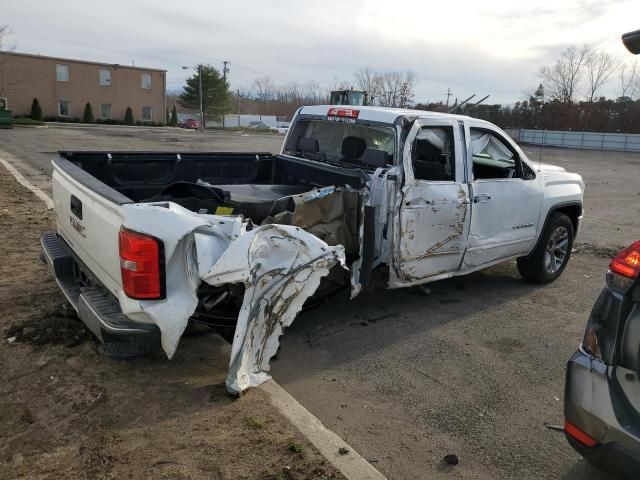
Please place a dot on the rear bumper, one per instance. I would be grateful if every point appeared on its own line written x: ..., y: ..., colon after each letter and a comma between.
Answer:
x: 96, y: 307
x: 596, y: 404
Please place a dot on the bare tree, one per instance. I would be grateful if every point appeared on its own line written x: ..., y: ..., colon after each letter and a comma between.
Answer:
x: 406, y: 90
x: 4, y: 60
x: 339, y: 84
x: 396, y: 89
x: 265, y: 92
x: 370, y: 81
x: 563, y: 78
x: 599, y: 67
x: 629, y: 79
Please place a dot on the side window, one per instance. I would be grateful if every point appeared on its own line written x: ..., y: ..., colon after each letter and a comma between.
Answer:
x: 433, y: 154
x: 492, y: 158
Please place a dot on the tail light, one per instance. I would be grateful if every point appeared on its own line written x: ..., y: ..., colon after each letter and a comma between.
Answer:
x: 624, y: 268
x: 141, y: 265
x: 343, y: 112
x: 577, y: 434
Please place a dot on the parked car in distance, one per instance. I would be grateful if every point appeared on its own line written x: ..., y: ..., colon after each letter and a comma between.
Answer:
x: 190, y: 123
x: 257, y: 124
x: 602, y: 389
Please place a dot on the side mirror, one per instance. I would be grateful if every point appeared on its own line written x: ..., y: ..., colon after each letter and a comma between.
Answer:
x: 631, y: 40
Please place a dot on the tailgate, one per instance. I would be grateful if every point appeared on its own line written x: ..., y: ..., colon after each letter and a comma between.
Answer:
x: 88, y: 219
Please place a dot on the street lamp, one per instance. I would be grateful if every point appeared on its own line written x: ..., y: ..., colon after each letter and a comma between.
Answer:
x: 199, y: 70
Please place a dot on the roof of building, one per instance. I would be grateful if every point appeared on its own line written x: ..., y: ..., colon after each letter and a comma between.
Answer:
x: 73, y: 60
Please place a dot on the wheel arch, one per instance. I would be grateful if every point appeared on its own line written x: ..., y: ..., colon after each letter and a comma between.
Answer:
x: 573, y: 210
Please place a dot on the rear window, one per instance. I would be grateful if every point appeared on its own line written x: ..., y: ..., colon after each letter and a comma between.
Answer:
x: 347, y: 143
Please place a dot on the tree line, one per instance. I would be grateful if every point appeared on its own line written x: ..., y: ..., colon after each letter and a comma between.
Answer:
x: 266, y: 97
x: 568, y: 97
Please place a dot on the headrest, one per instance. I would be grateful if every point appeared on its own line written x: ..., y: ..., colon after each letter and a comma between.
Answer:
x: 353, y: 147
x: 308, y: 144
x: 375, y: 158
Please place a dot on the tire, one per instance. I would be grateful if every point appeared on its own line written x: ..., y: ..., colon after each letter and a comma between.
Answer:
x: 551, y: 255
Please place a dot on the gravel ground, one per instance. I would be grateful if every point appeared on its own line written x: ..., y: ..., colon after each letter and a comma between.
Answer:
x: 474, y: 368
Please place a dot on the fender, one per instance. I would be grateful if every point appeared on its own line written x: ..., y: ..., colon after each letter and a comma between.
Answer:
x: 553, y: 209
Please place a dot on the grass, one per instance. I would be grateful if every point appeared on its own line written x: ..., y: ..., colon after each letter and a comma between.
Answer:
x: 295, y: 447
x: 26, y: 121
x: 254, y: 422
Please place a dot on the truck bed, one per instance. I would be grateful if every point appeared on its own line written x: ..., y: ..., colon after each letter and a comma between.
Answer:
x: 142, y: 175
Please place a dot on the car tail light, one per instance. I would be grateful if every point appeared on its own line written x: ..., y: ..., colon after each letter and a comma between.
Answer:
x: 577, y: 434
x: 627, y: 262
x: 141, y: 265
x: 343, y: 112
x: 624, y: 268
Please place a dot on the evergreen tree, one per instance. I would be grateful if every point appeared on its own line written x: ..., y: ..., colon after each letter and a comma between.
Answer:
x: 215, y: 91
x: 173, y: 122
x: 87, y: 117
x: 36, y: 110
x: 128, y: 116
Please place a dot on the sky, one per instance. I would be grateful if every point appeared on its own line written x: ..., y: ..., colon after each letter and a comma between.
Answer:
x: 492, y: 47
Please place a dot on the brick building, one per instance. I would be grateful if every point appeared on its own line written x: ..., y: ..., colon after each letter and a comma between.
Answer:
x: 63, y: 86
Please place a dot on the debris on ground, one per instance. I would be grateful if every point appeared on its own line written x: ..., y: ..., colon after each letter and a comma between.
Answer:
x: 53, y: 326
x: 451, y: 459
x: 343, y: 450
x: 550, y: 426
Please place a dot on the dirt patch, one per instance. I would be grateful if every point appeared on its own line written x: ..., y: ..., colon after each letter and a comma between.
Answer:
x: 595, y: 250
x: 67, y: 412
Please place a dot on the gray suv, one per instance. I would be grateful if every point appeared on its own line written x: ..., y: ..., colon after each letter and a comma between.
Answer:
x: 602, y: 389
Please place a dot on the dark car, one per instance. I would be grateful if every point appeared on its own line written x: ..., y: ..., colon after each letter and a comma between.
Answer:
x: 602, y: 389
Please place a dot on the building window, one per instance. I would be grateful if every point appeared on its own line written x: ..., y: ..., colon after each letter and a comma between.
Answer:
x: 146, y: 81
x: 105, y: 77
x: 105, y: 111
x: 147, y: 114
x: 64, y: 109
x: 62, y: 72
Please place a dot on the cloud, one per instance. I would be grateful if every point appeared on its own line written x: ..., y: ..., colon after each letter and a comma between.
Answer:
x: 490, y: 47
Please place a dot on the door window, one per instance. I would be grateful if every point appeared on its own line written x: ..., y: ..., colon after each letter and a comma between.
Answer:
x: 433, y: 155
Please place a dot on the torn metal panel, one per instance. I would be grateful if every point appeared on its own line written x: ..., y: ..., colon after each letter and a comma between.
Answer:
x: 281, y: 266
x: 177, y: 226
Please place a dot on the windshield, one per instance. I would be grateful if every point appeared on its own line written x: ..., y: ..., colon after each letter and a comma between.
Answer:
x: 348, y: 143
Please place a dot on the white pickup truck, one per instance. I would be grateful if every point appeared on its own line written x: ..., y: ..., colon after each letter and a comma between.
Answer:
x: 148, y: 241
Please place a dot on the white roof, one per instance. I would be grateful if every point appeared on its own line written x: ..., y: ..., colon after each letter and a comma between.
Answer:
x: 381, y: 114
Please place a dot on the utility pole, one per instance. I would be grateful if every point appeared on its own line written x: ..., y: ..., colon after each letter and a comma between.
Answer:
x: 225, y: 70
x: 448, y: 95
x: 200, y: 96
x: 238, y: 94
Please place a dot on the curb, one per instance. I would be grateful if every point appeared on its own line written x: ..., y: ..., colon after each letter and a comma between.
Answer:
x: 25, y: 183
x: 352, y: 465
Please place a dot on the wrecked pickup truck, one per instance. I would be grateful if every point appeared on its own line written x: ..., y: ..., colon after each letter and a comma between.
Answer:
x: 148, y: 241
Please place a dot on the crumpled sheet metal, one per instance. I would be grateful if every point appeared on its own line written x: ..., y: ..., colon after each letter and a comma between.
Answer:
x: 176, y: 226
x: 281, y: 267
